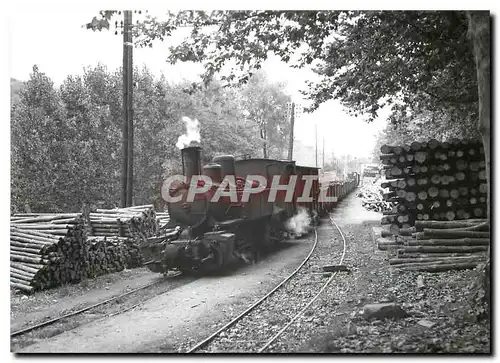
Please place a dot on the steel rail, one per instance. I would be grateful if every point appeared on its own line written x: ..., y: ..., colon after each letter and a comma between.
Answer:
x: 77, y: 312
x: 278, y: 334
x: 257, y: 303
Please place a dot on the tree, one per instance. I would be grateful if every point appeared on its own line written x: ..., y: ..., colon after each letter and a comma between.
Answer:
x: 157, y: 125
x: 15, y: 89
x: 405, y: 59
x: 37, y: 153
x: 479, y: 30
x: 265, y: 104
x: 91, y: 136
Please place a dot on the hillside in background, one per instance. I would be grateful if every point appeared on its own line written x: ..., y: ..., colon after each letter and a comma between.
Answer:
x: 15, y: 90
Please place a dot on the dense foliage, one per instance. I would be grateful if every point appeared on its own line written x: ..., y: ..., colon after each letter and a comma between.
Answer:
x: 66, y: 141
x: 412, y: 61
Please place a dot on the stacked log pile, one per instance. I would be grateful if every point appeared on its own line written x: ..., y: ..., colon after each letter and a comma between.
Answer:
x: 46, y: 250
x: 371, y: 198
x: 442, y: 181
x: 135, y: 224
x: 106, y: 255
x: 436, y: 246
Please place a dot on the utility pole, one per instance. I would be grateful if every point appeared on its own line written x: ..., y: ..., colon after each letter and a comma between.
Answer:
x: 323, y: 153
x: 316, y: 137
x: 125, y: 113
x: 292, y: 122
x: 128, y: 123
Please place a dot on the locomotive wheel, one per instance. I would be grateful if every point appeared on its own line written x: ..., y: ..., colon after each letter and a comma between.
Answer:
x: 210, y: 265
x: 219, y: 259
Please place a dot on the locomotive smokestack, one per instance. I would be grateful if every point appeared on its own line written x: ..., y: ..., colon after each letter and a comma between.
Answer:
x: 191, y: 161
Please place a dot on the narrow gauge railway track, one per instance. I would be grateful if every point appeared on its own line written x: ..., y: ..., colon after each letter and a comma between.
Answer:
x: 49, y: 322
x: 202, y: 347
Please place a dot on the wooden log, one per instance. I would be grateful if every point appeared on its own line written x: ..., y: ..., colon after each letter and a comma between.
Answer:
x: 42, y: 227
x: 22, y: 286
x: 399, y: 261
x: 46, y: 218
x: 34, y: 268
x: 433, y: 192
x: 433, y: 144
x: 22, y: 276
x: 406, y: 231
x: 23, y: 272
x: 145, y: 207
x: 422, y: 181
x: 450, y: 215
x: 460, y: 164
x: 27, y: 242
x: 422, y: 195
x: 388, y: 246
x: 439, y: 267
x: 410, y: 196
x: 460, y: 176
x: 443, y: 249
x: 420, y: 225
x: 435, y: 179
x: 483, y: 188
x: 386, y: 234
x: 33, y: 236
x: 394, y: 228
x: 26, y: 249
x: 480, y: 227
x: 335, y: 268
x: 416, y: 146
x: 32, y: 245
x: 451, y: 242
x: 450, y: 233
x: 57, y: 232
x: 21, y: 280
x: 27, y: 254
x: 17, y: 257
x: 478, y: 212
x: 386, y: 149
x: 420, y: 156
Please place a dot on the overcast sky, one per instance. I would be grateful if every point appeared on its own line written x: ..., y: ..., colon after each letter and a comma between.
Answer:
x: 57, y: 43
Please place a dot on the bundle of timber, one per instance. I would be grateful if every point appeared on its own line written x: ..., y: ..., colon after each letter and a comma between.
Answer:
x: 371, y: 197
x: 105, y: 255
x: 124, y: 222
x: 47, y: 250
x: 434, y: 180
x: 135, y: 223
x: 436, y: 246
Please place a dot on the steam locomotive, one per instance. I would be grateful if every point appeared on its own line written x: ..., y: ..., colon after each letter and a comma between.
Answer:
x: 208, y: 235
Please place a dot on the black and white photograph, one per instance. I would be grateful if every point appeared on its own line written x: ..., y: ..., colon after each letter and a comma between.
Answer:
x: 249, y: 182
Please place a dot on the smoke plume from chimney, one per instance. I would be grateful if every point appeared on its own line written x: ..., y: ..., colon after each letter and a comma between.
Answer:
x: 192, y: 133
